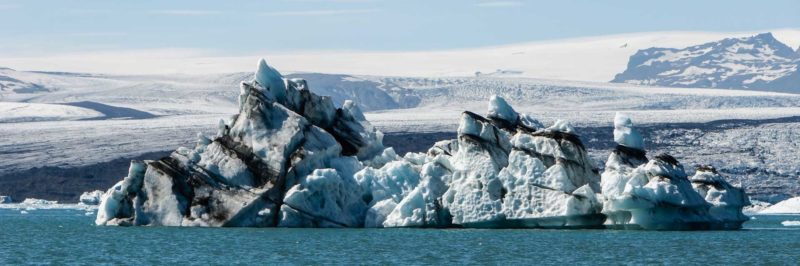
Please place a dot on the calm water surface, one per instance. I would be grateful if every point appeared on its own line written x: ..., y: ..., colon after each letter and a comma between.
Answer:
x: 70, y: 237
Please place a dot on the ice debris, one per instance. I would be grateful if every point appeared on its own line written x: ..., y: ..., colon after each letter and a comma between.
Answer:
x: 6, y: 200
x: 33, y: 201
x: 790, y: 223
x: 91, y: 197
x: 789, y: 206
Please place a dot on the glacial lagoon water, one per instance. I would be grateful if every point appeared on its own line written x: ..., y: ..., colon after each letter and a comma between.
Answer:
x: 70, y: 237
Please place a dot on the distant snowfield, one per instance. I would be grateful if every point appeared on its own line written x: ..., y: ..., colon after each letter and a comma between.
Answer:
x: 446, y: 119
x: 11, y: 112
x: 581, y: 103
x: 79, y: 143
x: 586, y: 59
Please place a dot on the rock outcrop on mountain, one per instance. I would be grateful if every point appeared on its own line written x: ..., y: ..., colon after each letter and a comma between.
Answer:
x: 757, y: 63
x: 290, y: 158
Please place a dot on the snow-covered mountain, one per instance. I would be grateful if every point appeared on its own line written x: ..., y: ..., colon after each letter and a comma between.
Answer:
x: 759, y: 62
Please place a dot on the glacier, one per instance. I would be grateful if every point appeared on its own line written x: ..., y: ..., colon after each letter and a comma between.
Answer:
x: 291, y: 158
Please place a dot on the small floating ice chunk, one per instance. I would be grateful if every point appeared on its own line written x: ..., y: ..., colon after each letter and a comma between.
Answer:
x: 91, y: 197
x: 113, y: 202
x: 32, y: 201
x: 784, y: 207
x: 6, y: 200
x: 790, y: 223
x: 756, y: 207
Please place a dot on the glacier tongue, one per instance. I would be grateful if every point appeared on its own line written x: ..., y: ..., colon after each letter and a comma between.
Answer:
x: 290, y: 158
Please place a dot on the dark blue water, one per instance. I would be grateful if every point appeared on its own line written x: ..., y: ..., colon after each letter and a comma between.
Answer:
x: 69, y: 237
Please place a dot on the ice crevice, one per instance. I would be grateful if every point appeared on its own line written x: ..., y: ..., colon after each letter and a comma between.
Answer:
x: 291, y: 158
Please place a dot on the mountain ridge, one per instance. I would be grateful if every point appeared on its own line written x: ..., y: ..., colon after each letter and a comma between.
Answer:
x: 759, y: 62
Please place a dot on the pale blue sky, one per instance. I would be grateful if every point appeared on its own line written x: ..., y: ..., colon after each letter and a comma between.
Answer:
x: 35, y: 27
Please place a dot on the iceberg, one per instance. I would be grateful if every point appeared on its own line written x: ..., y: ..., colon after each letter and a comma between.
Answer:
x: 657, y: 194
x: 755, y: 207
x: 288, y: 158
x: 291, y: 158
x: 789, y: 206
x: 91, y: 197
x: 790, y: 223
x: 6, y: 200
x: 32, y: 204
x: 502, y: 171
x: 34, y: 201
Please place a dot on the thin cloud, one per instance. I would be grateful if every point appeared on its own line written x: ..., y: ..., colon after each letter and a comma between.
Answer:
x: 8, y: 7
x: 331, y: 1
x: 98, y: 34
x: 329, y: 12
x: 76, y: 11
x: 499, y: 4
x: 185, y: 12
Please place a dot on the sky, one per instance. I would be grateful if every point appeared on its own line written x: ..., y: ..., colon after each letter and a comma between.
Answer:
x: 55, y: 26
x: 36, y: 28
